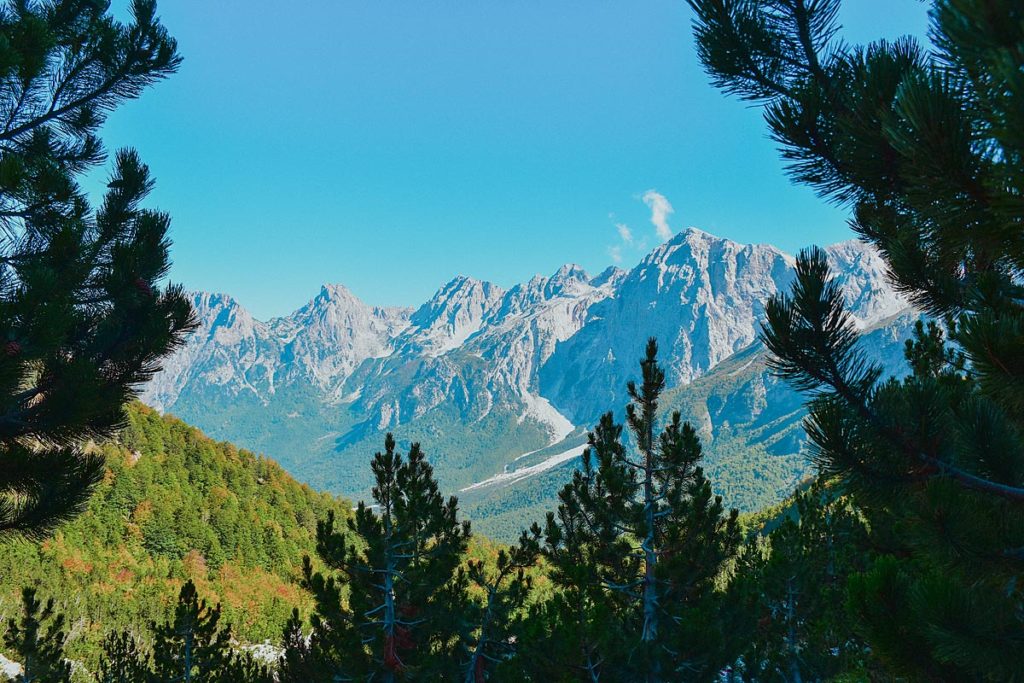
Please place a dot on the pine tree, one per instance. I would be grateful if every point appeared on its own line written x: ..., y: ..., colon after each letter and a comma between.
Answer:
x: 83, y: 320
x: 192, y: 647
x: 797, y: 590
x: 400, y: 621
x: 927, y: 147
x: 242, y: 667
x: 123, y: 661
x: 37, y: 639
x: 637, y: 544
x: 297, y: 664
x: 490, y: 643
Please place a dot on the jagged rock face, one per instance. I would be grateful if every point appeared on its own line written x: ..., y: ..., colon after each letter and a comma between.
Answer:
x: 454, y: 314
x: 319, y: 345
x: 863, y: 276
x: 230, y: 350
x: 504, y: 342
x: 700, y: 296
x: 531, y: 362
x: 703, y: 299
x: 328, y: 338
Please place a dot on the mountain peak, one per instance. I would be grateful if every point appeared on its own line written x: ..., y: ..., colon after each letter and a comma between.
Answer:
x: 335, y: 291
x: 570, y: 270
x: 694, y: 232
x: 454, y: 313
x: 567, y: 280
x: 460, y: 288
x: 610, y: 275
x: 334, y: 295
x: 214, y: 300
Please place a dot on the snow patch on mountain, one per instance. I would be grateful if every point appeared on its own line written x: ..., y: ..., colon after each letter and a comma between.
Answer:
x: 513, y: 476
x: 541, y: 410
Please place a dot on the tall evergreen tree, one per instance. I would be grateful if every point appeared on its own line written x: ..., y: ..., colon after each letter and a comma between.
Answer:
x: 397, y: 560
x: 296, y: 664
x: 37, y: 639
x: 927, y: 147
x: 638, y: 543
x: 490, y: 641
x: 192, y: 646
x: 83, y: 319
x: 795, y: 583
x: 123, y: 661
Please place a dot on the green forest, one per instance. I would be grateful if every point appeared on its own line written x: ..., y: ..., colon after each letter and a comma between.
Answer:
x: 137, y: 549
x: 174, y: 506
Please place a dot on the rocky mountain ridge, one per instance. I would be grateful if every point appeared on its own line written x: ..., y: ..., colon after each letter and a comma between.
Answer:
x: 481, y: 373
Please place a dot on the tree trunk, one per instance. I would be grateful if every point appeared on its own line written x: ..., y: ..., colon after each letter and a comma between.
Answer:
x: 650, y: 632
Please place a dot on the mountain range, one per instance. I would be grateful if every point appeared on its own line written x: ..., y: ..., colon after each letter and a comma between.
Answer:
x: 500, y: 385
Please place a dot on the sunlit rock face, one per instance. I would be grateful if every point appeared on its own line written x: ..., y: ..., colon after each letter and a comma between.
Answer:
x: 486, y: 373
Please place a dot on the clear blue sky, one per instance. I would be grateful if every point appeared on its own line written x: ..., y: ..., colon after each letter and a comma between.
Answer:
x: 389, y: 145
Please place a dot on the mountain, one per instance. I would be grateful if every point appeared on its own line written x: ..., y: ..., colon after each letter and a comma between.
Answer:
x: 749, y: 421
x: 500, y: 385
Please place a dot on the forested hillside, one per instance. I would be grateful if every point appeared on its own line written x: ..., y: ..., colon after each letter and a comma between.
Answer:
x: 174, y: 505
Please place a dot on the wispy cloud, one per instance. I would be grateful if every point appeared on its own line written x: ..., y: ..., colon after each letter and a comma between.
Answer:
x: 616, y: 253
x: 624, y: 233
x: 661, y: 209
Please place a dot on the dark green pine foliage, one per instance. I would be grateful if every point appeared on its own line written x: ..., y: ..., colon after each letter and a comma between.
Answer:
x: 927, y: 148
x: 242, y: 667
x: 192, y: 646
x: 83, y: 319
x: 397, y: 557
x: 796, y: 591
x: 490, y: 641
x: 123, y: 661
x: 637, y: 545
x: 297, y: 663
x: 36, y: 640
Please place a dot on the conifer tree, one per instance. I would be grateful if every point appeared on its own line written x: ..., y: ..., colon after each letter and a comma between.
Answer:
x: 243, y: 667
x: 638, y: 542
x: 296, y: 664
x: 566, y: 637
x: 797, y: 591
x: 123, y: 661
x: 399, y: 623
x: 192, y: 646
x: 927, y: 148
x: 83, y: 318
x: 37, y: 639
x: 490, y: 642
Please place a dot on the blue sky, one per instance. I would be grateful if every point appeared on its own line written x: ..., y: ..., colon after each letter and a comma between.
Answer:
x: 390, y: 145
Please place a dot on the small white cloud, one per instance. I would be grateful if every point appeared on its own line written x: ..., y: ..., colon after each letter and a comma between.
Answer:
x: 624, y: 232
x: 616, y: 253
x: 661, y: 209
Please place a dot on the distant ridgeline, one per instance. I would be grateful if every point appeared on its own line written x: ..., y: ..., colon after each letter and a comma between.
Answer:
x: 174, y: 506
x: 500, y: 386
